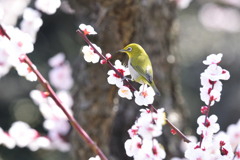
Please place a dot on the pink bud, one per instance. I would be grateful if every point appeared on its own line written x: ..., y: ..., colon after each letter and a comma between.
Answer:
x: 173, y: 131
x: 204, y: 109
x: 108, y: 56
x: 103, y: 61
x: 222, y: 143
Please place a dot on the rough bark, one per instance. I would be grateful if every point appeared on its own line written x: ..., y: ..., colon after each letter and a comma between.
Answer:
x: 118, y: 23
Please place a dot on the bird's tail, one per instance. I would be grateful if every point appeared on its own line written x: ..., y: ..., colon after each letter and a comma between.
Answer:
x: 155, y: 89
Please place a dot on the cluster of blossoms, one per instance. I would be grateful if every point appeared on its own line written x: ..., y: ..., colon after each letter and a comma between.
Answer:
x: 144, y: 96
x: 213, y: 146
x: 56, y: 121
x: 22, y: 135
x: 142, y: 145
x: 22, y: 39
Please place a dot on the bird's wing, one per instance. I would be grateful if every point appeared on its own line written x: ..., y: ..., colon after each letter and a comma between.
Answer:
x: 144, y: 67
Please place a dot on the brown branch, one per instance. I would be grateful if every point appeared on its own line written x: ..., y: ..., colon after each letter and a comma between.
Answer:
x: 72, y: 120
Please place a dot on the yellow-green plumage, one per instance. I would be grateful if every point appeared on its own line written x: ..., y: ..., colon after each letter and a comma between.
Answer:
x: 140, y: 65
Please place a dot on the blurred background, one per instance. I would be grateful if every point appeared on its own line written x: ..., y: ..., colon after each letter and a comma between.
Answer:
x: 205, y: 27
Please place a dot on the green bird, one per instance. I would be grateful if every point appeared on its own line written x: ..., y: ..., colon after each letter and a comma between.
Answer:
x: 139, y: 65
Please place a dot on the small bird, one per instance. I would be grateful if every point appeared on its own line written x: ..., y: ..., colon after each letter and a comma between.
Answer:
x: 140, y: 65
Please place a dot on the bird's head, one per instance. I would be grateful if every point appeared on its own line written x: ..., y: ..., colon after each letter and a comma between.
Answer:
x: 132, y: 49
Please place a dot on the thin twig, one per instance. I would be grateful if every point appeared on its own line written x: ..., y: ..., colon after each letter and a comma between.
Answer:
x: 177, y: 131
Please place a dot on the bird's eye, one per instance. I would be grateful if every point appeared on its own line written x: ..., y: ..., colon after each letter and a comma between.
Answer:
x: 129, y: 49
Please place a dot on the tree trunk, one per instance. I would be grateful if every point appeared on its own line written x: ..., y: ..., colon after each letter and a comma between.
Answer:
x: 97, y: 107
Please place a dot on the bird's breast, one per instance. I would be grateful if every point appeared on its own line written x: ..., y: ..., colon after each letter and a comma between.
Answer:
x: 135, y: 75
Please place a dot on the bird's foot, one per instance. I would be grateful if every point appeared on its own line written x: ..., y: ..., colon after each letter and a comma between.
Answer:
x: 126, y: 78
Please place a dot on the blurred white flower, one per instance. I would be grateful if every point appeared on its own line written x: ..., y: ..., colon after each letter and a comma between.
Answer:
x: 87, y: 29
x: 31, y: 22
x: 22, y: 133
x: 233, y: 131
x: 61, y: 77
x: 24, y: 70
x: 183, y: 4
x: 132, y: 146
x: 213, y: 59
x: 95, y: 158
x: 217, y: 18
x: 20, y: 43
x: 211, y: 127
x: 57, y: 60
x: 39, y: 142
x: 48, y: 6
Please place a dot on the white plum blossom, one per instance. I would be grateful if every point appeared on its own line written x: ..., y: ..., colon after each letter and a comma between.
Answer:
x: 87, y: 29
x: 210, y: 128
x: 89, y: 54
x: 208, y: 95
x: 24, y: 70
x: 95, y: 158
x: 31, y: 22
x: 133, y: 145
x: 48, y: 6
x: 114, y: 78
x: 133, y: 131
x: 39, y: 142
x: 7, y: 140
x: 213, y: 59
x: 193, y: 152
x: 150, y: 150
x: 20, y: 43
x: 213, y: 72
x: 216, y: 85
x: 144, y: 97
x: 125, y: 92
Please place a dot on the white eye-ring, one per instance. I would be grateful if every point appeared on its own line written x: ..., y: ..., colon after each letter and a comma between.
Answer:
x: 129, y: 49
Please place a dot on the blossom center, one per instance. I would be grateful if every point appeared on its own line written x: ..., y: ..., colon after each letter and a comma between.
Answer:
x: 121, y: 71
x: 144, y: 93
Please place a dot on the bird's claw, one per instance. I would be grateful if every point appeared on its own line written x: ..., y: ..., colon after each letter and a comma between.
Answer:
x: 125, y: 78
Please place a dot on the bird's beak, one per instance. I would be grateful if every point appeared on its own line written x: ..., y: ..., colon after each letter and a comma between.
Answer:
x: 121, y: 50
